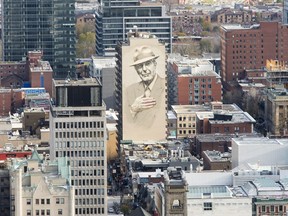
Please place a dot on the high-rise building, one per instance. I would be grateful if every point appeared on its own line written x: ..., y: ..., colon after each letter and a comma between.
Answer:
x: 47, y: 25
x: 246, y: 48
x: 78, y: 131
x: 285, y: 12
x: 115, y: 19
x: 141, y: 89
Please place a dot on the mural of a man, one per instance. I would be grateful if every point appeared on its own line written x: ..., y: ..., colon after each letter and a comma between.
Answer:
x: 146, y: 96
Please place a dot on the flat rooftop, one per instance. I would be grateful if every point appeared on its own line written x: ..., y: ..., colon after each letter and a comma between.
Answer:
x: 220, y: 191
x: 228, y: 27
x: 246, y: 140
x: 79, y: 82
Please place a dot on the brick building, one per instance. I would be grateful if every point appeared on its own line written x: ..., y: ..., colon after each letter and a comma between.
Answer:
x: 193, y: 82
x: 215, y: 160
x: 210, y: 142
x: 248, y: 47
x: 211, y: 119
x: 228, y: 15
x: 30, y: 73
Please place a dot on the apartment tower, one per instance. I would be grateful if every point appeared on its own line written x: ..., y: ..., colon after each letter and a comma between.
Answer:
x: 46, y: 25
x: 246, y: 48
x: 78, y: 131
x: 141, y: 89
x: 115, y: 19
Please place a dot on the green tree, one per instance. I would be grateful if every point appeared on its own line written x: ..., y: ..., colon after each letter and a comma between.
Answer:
x: 85, y: 46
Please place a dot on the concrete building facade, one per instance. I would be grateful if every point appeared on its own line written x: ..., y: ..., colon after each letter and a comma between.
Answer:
x: 78, y: 132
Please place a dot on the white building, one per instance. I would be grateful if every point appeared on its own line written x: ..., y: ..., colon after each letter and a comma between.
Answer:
x: 78, y: 131
x: 217, y: 201
x: 261, y: 150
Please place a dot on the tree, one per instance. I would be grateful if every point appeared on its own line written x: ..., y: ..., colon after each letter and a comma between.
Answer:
x: 205, y: 45
x: 85, y: 46
x: 84, y: 28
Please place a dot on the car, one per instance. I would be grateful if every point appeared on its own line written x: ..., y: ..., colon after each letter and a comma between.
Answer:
x: 111, y: 210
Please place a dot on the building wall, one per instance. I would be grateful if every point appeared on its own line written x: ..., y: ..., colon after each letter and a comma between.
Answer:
x: 258, y: 151
x: 145, y: 123
x: 221, y: 206
x: 231, y: 128
x: 221, y: 146
x: 35, y: 79
x: 198, y: 89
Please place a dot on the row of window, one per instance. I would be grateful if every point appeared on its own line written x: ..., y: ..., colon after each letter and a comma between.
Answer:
x: 43, y: 212
x: 272, y: 208
x: 80, y: 182
x: 79, y: 144
x: 188, y: 125
x: 94, y: 172
x: 187, y: 132
x: 88, y: 125
x: 90, y: 201
x: 83, y: 134
x: 98, y: 153
x: 45, y: 201
x: 86, y: 163
x: 184, y: 118
x: 89, y: 211
x: 96, y: 191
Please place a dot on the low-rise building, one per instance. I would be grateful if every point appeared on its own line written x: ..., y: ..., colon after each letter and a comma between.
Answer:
x: 41, y: 187
x: 214, y: 160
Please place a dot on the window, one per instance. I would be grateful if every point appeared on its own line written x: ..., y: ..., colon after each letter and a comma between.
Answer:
x: 28, y: 201
x: 47, y: 212
x: 60, y: 212
x: 48, y: 201
x: 37, y: 201
x: 28, y: 212
x: 207, y: 206
x: 43, y: 201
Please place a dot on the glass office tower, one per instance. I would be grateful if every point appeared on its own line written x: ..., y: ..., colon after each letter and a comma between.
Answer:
x: 47, y: 25
x: 115, y: 19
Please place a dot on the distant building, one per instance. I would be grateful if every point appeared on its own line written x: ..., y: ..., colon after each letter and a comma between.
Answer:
x: 78, y: 132
x: 119, y: 18
x: 258, y: 150
x: 35, y: 30
x: 210, y: 142
x: 215, y: 160
x: 103, y: 68
x: 248, y: 47
x: 193, y: 82
x: 211, y: 118
x: 285, y: 12
x: 228, y: 15
x: 85, y: 19
x: 41, y: 191
x: 276, y: 111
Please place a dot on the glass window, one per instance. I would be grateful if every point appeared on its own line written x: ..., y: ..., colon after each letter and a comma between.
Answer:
x: 207, y: 206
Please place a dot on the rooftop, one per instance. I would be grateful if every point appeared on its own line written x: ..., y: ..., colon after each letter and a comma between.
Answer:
x: 220, y: 191
x: 79, y: 82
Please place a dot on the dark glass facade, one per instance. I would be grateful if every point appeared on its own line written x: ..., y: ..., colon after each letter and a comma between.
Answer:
x: 47, y: 25
x: 116, y: 18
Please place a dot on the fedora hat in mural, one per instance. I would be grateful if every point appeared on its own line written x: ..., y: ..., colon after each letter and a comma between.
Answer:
x: 143, y: 54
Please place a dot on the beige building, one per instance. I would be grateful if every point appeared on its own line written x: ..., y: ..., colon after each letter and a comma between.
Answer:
x: 41, y: 187
x: 276, y: 111
x: 78, y: 132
